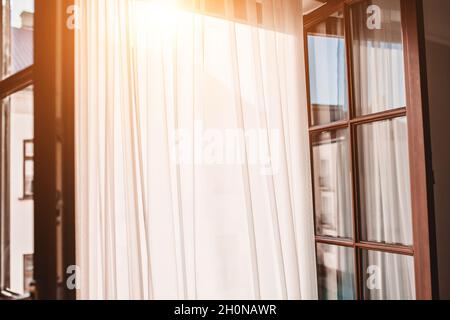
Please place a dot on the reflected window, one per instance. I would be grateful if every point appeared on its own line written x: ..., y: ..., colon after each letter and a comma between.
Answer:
x: 332, y: 187
x: 336, y: 272
x: 327, y: 71
x: 28, y: 169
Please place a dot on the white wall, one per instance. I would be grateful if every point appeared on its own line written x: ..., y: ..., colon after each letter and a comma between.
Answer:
x: 21, y: 211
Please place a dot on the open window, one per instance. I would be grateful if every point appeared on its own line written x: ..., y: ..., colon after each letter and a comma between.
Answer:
x: 368, y: 157
x: 371, y: 173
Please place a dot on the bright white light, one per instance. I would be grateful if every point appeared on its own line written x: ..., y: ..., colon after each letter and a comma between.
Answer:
x: 156, y: 13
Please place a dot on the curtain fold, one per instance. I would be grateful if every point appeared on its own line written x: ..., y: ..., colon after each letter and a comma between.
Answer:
x: 193, y: 177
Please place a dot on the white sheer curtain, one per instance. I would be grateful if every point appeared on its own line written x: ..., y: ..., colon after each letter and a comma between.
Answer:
x: 386, y: 204
x: 378, y: 59
x: 385, y: 182
x: 193, y: 177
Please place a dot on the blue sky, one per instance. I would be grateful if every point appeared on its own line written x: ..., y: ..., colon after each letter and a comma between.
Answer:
x: 327, y: 70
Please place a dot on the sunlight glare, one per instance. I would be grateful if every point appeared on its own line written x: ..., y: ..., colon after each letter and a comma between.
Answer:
x: 156, y: 13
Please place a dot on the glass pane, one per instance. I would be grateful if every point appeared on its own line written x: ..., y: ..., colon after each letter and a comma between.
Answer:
x: 28, y: 178
x: 384, y: 182
x: 332, y: 188
x: 29, y: 149
x: 336, y: 273
x: 17, y: 220
x: 378, y: 64
x: 327, y: 71
x: 388, y: 276
x: 17, y: 35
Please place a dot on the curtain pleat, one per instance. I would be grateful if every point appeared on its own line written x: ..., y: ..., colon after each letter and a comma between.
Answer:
x: 193, y: 176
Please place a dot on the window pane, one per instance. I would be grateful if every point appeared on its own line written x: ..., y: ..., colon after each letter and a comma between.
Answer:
x: 17, y: 35
x: 28, y: 178
x: 336, y: 275
x: 17, y: 173
x: 327, y: 71
x: 384, y: 182
x: 29, y: 149
x: 388, y: 276
x: 378, y: 64
x: 332, y: 188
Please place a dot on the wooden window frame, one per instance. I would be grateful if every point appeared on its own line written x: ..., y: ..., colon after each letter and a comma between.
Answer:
x: 54, y: 149
x: 416, y: 111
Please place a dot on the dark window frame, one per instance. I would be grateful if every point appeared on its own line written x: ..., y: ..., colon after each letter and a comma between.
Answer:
x: 53, y: 78
x: 416, y: 112
x: 54, y: 152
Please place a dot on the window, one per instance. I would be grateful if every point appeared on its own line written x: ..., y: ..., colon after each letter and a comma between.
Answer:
x: 363, y: 175
x: 28, y: 169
